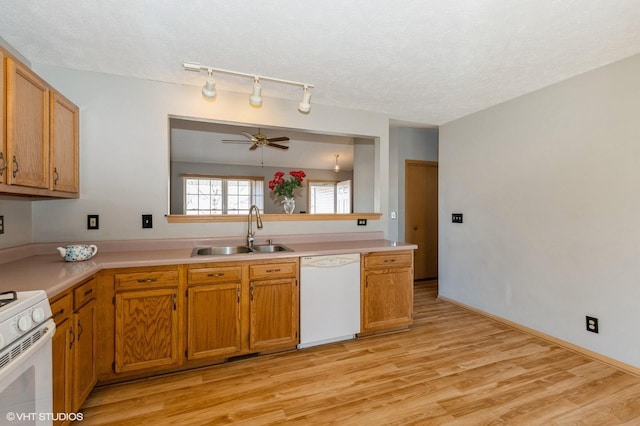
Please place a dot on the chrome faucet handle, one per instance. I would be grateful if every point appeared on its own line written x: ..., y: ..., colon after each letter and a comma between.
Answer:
x: 270, y: 241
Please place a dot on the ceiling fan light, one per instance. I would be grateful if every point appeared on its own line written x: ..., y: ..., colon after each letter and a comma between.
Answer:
x: 304, y: 105
x: 256, y: 98
x: 209, y: 89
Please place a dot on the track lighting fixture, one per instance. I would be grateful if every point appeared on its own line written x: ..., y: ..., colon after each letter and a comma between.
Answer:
x: 256, y: 97
x: 209, y: 89
x: 304, y: 105
x: 336, y: 168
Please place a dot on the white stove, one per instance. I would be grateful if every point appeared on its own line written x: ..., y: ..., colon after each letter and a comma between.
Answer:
x: 26, y: 329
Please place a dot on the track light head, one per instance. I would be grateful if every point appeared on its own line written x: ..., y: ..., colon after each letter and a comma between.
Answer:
x: 209, y: 89
x: 256, y: 97
x: 304, y: 106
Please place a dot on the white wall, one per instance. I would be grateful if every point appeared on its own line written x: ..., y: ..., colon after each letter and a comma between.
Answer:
x: 17, y: 221
x: 406, y: 143
x: 124, y: 156
x: 549, y: 185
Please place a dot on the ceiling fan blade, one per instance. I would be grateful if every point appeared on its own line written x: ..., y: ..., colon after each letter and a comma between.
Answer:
x: 250, y: 136
x: 253, y: 147
x: 234, y: 141
x: 280, y: 139
x: 277, y: 145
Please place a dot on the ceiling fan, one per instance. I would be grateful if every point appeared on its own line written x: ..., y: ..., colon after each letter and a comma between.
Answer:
x: 260, y: 140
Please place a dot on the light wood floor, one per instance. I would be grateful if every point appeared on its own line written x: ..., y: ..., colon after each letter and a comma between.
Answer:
x: 452, y: 367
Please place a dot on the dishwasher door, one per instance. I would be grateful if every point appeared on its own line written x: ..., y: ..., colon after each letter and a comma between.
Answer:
x: 329, y: 298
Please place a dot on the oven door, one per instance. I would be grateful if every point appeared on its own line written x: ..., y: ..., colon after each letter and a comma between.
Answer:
x: 26, y: 379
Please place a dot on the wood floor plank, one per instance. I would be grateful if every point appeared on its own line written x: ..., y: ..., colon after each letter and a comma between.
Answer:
x: 453, y: 367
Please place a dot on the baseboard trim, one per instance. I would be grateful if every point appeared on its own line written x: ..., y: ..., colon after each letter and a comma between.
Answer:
x: 570, y: 346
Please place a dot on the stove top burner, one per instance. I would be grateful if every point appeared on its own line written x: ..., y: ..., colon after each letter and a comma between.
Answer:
x: 8, y: 297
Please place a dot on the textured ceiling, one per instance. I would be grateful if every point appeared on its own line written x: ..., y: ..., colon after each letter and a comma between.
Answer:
x: 420, y: 61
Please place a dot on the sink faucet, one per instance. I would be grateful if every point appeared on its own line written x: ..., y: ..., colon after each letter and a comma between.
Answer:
x: 250, y: 232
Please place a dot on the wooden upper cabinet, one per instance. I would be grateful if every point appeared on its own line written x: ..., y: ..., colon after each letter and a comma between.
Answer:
x: 27, y: 127
x: 3, y: 147
x: 63, y: 132
x: 40, y: 135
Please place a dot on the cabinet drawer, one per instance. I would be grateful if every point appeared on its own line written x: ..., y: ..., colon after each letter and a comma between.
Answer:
x: 401, y: 259
x: 214, y: 275
x: 272, y: 270
x: 83, y: 293
x: 147, y: 279
x: 62, y: 308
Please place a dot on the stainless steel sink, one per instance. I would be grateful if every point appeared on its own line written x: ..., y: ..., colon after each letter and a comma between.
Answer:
x: 229, y: 250
x: 270, y: 248
x: 217, y: 251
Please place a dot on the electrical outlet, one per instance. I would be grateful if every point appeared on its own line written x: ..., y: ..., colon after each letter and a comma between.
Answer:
x: 1, y: 224
x: 147, y: 221
x: 362, y: 222
x: 93, y: 221
x: 592, y: 324
x: 456, y: 217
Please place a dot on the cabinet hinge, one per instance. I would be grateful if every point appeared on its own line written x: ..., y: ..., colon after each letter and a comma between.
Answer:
x: 186, y: 353
x: 113, y: 366
x: 186, y: 293
x: 113, y: 301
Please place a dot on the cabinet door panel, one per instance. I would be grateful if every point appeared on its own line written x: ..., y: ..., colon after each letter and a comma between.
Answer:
x: 274, y: 313
x: 213, y: 320
x: 64, y: 144
x: 84, y: 350
x: 27, y: 127
x: 62, y: 352
x: 146, y: 329
x: 387, y: 299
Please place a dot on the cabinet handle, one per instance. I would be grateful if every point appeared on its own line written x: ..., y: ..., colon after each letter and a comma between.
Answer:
x: 273, y: 270
x: 389, y: 260
x: 73, y: 337
x: 251, y: 293
x: 79, y: 330
x: 55, y: 176
x: 3, y: 164
x: 57, y: 314
x: 15, y: 166
x: 175, y: 299
x: 238, y: 293
x: 218, y: 274
x: 147, y: 280
x: 88, y: 292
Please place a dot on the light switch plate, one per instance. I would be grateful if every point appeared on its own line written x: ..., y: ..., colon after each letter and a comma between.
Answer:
x: 93, y: 221
x: 147, y: 221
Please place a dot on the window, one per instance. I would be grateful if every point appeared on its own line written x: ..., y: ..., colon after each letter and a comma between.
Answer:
x: 212, y: 195
x: 329, y: 197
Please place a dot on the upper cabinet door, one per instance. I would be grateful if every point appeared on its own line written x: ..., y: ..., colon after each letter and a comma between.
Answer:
x: 3, y: 146
x: 64, y: 144
x: 27, y: 127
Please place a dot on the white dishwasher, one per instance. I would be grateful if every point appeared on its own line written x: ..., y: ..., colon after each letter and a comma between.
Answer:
x: 329, y: 298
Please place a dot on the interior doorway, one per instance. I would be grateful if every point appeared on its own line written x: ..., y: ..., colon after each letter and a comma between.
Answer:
x: 421, y: 215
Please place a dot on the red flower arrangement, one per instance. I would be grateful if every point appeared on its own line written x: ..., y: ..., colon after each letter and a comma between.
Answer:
x: 285, y: 187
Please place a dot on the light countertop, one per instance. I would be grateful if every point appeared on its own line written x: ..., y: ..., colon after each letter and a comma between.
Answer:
x: 51, y: 273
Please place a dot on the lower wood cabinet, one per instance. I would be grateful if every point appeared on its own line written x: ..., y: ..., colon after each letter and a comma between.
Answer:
x: 214, y: 312
x: 387, y: 291
x: 274, y: 296
x: 240, y: 308
x: 146, y: 320
x: 74, y: 347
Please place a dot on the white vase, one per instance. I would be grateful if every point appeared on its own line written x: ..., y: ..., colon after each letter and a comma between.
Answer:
x: 289, y: 204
